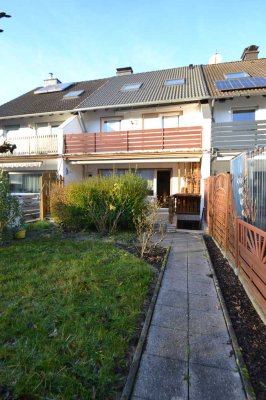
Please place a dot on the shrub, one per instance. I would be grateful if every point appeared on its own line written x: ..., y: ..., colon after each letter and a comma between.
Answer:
x: 10, y: 212
x: 146, y: 228
x: 104, y: 203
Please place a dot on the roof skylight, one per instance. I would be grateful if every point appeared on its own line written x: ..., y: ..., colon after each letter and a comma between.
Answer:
x: 171, y: 82
x: 73, y: 94
x: 128, y: 87
x: 233, y: 75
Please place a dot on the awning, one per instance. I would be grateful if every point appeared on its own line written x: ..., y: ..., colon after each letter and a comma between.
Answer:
x: 21, y: 165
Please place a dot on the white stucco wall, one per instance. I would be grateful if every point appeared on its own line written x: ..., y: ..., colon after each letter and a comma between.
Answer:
x: 133, y: 119
x: 223, y: 110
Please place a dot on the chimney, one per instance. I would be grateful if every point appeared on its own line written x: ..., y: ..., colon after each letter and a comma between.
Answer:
x: 124, y: 71
x: 250, y: 53
x: 51, y: 80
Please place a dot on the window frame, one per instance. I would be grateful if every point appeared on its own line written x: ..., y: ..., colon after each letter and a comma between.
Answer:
x: 175, y: 82
x: 243, y: 74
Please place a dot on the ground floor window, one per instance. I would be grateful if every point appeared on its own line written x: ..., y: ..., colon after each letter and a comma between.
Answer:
x: 24, y: 183
x: 147, y: 174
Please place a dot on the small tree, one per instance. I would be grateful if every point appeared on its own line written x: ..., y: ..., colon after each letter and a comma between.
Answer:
x: 9, y: 205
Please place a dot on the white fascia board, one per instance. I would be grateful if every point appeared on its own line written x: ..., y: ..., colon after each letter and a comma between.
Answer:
x: 131, y: 161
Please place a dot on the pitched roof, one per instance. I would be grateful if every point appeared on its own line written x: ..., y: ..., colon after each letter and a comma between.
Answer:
x: 30, y: 103
x: 215, y: 72
x: 152, y: 90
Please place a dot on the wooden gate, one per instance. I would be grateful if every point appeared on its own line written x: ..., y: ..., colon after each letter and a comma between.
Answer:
x: 47, y: 180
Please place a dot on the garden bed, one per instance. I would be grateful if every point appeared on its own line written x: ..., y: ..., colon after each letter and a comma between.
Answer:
x: 72, y: 313
x: 249, y: 328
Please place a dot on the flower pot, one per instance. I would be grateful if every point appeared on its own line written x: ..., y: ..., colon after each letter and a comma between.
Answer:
x: 20, y: 234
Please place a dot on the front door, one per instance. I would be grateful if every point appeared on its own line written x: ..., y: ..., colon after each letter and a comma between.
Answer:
x: 163, y: 186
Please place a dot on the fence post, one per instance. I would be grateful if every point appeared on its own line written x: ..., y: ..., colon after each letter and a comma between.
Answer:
x: 210, y: 202
x: 41, y: 199
x: 228, y: 182
x: 237, y: 219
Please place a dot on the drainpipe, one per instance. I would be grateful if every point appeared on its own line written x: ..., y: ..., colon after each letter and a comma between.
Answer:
x: 212, y: 109
x: 82, y: 125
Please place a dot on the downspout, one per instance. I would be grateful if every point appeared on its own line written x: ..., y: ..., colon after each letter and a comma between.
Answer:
x: 81, y: 122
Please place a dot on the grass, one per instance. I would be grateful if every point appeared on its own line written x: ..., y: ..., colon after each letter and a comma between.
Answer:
x: 69, y: 310
x: 38, y: 225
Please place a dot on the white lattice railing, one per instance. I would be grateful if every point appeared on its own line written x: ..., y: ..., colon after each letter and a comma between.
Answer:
x: 32, y: 145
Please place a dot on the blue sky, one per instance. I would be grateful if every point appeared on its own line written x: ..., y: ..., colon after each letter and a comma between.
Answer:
x: 84, y: 39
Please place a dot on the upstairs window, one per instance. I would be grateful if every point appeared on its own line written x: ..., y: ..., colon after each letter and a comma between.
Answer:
x: 111, y: 125
x: 235, y: 75
x: 243, y: 115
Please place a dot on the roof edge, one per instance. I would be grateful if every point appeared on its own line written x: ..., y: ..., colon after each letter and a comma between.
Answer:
x: 126, y: 105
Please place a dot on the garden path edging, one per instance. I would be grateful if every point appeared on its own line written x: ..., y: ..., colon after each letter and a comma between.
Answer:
x: 139, y: 349
x: 237, y: 352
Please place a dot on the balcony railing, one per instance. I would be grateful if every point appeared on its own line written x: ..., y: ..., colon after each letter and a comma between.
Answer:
x: 238, y: 135
x: 133, y: 141
x: 33, y: 145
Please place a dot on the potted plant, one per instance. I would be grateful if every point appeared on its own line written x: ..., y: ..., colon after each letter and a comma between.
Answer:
x: 20, y: 232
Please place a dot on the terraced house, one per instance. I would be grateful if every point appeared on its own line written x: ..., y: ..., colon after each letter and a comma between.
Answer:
x: 172, y: 126
x: 238, y: 107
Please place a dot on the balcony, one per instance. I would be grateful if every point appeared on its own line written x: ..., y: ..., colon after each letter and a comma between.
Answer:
x: 134, y: 141
x: 33, y: 146
x: 238, y: 135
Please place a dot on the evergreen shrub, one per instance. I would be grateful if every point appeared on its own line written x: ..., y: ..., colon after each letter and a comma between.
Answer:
x: 103, y: 203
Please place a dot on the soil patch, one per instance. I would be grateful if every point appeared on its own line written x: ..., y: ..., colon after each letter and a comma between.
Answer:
x: 249, y: 328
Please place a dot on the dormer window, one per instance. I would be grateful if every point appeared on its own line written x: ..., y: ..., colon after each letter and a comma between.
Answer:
x: 236, y: 75
x: 172, y: 82
x: 129, y: 87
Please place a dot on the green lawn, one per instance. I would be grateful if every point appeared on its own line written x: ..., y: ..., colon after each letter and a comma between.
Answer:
x: 68, y: 311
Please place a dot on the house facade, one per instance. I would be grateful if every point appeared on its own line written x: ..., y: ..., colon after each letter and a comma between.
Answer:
x: 238, y: 107
x: 156, y: 124
x: 174, y: 127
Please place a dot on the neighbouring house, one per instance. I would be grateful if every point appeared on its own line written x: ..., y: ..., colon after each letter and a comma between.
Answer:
x: 238, y: 107
x: 32, y: 125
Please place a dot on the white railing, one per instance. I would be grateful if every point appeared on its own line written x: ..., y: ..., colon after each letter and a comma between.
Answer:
x: 32, y: 145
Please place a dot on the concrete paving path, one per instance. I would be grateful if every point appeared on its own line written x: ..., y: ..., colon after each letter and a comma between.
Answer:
x: 188, y: 354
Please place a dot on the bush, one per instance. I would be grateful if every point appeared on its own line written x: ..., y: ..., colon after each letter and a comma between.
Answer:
x: 10, y: 212
x: 104, y: 203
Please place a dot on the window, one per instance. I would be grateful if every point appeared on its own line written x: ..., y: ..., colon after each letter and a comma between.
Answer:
x: 151, y: 121
x: 171, y: 82
x: 11, y: 128
x: 73, y: 94
x: 147, y: 174
x: 243, y: 115
x: 158, y: 121
x: 24, y: 183
x: 170, y: 121
x: 47, y: 128
x: 128, y: 87
x: 233, y: 75
x: 111, y: 125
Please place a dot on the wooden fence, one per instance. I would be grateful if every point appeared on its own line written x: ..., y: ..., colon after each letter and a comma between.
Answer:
x: 243, y: 244
x: 47, y: 180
